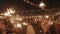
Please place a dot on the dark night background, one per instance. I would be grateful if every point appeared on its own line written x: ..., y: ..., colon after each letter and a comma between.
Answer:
x: 21, y: 5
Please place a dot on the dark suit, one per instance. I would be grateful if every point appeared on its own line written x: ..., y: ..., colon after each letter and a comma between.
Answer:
x: 52, y: 29
x: 38, y: 30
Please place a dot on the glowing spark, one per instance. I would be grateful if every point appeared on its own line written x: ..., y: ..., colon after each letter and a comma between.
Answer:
x: 47, y: 16
x: 42, y: 5
x: 25, y: 23
x: 19, y: 25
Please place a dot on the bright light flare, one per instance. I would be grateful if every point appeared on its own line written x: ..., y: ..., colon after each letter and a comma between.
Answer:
x: 51, y: 22
x: 19, y: 25
x: 47, y: 16
x: 6, y: 14
x: 25, y: 23
x: 10, y: 10
x: 42, y: 4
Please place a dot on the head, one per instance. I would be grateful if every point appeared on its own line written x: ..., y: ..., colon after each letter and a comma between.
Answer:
x: 31, y: 21
x: 57, y: 18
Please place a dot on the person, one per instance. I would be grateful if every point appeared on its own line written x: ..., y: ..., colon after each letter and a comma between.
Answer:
x: 38, y: 28
x: 2, y: 27
x: 45, y: 25
x: 30, y: 29
x: 55, y: 28
x: 35, y: 28
x: 9, y: 25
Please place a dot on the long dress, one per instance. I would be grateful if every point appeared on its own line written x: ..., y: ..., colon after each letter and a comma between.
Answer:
x: 30, y: 30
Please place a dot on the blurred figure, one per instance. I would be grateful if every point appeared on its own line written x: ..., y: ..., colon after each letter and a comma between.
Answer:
x: 45, y: 25
x: 21, y: 30
x: 35, y: 27
x: 9, y: 26
x: 56, y: 25
x: 30, y: 29
x: 2, y: 27
x: 39, y: 29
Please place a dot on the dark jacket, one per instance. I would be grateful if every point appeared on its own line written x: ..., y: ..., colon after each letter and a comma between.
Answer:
x: 38, y: 30
x: 52, y: 29
x: 9, y: 26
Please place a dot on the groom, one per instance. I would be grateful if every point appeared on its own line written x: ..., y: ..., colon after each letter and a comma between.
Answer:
x: 55, y: 29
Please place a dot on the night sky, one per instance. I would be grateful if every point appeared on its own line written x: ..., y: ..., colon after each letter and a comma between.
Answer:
x: 21, y: 5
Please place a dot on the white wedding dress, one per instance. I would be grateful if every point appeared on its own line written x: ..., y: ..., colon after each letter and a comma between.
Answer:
x: 30, y: 30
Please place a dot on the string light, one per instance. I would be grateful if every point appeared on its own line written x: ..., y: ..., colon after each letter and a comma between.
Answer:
x: 31, y: 3
x: 41, y: 5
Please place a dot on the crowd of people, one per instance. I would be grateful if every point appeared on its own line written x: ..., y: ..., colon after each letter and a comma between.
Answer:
x: 41, y: 26
x: 46, y: 26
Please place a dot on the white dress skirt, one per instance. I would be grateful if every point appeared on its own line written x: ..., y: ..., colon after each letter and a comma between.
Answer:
x: 30, y: 30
